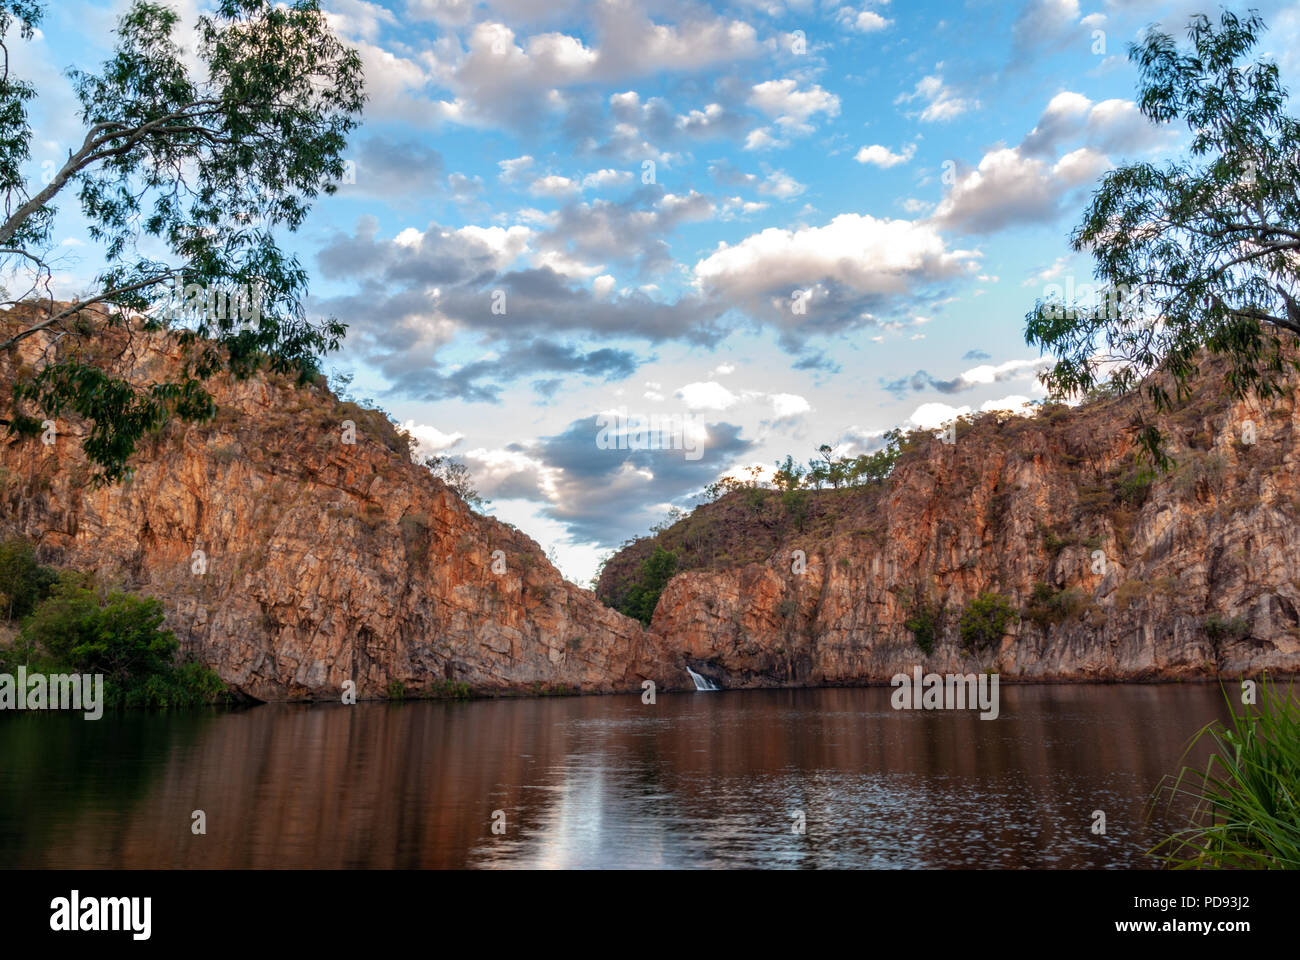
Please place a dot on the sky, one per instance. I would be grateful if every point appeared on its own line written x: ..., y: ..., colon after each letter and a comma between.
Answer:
x: 771, y: 224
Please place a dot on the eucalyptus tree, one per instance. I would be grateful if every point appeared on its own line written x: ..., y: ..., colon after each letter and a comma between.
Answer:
x: 1200, y: 255
x: 193, y: 158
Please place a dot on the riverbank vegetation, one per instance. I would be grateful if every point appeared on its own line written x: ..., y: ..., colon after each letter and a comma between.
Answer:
x: 1246, y: 800
x: 69, y: 622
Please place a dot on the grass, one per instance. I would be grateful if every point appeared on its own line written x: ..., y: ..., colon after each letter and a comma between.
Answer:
x: 1246, y: 802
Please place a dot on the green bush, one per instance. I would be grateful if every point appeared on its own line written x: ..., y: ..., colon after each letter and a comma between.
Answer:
x: 449, y: 690
x: 1134, y: 486
x: 985, y: 620
x: 1226, y: 628
x: 23, y: 582
x: 81, y: 630
x: 923, y: 622
x: 656, y: 570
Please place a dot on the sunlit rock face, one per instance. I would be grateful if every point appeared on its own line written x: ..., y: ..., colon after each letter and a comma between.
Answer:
x: 291, y: 561
x: 1012, y: 503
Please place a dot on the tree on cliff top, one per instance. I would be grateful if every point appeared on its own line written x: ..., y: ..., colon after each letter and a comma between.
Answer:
x: 1200, y: 254
x: 184, y: 176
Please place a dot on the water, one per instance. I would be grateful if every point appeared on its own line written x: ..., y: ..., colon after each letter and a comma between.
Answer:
x: 701, y: 683
x: 692, y: 781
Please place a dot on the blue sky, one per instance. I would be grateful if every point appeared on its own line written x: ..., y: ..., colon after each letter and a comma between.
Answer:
x: 641, y: 188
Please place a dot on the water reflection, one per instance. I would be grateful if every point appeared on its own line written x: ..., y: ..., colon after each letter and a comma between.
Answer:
x: 708, y: 779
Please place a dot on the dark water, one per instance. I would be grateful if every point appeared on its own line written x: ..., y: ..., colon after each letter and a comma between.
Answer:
x: 697, y: 780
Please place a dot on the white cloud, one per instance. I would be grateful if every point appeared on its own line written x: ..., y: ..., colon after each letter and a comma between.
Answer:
x: 1080, y: 166
x: 791, y: 107
x: 781, y: 185
x: 941, y: 102
x: 862, y: 253
x: 883, y: 157
x: 761, y: 139
x: 707, y: 395
x: 553, y: 185
x: 1015, y: 403
x: 605, y: 178
x: 1007, y: 187
x: 787, y: 405
x: 513, y: 170
x: 930, y: 416
x: 431, y: 440
x: 863, y: 21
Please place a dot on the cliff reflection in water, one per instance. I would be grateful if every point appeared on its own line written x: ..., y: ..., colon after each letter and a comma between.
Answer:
x: 695, y: 780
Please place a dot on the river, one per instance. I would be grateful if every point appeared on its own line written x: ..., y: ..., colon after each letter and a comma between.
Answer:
x: 721, y: 779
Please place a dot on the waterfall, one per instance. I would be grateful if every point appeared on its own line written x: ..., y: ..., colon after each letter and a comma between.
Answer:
x: 701, y: 683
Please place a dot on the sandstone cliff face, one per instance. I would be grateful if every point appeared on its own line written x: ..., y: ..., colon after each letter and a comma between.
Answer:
x: 324, y: 562
x: 321, y: 561
x: 1009, y: 505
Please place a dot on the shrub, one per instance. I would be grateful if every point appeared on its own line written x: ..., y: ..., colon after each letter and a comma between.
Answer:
x: 396, y: 690
x: 1048, y: 605
x: 923, y: 622
x: 1226, y: 628
x: 656, y: 570
x: 1133, y: 487
x: 23, y: 582
x: 985, y: 620
x: 118, y: 635
x: 449, y: 690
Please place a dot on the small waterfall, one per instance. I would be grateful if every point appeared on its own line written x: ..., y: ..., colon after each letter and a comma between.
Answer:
x: 701, y: 683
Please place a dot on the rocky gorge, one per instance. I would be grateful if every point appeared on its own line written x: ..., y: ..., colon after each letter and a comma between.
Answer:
x: 297, y: 546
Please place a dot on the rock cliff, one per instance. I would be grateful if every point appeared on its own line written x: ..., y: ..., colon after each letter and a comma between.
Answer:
x: 292, y: 561
x: 1116, y: 573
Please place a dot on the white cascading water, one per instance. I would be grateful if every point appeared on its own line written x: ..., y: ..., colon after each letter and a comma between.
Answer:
x: 701, y: 683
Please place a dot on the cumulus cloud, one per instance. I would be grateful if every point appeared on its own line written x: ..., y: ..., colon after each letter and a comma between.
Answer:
x: 553, y: 185
x: 850, y: 265
x: 931, y: 416
x: 500, y: 77
x: 416, y: 292
x: 429, y: 439
x: 512, y: 171
x: 883, y: 157
x: 791, y: 107
x: 1005, y: 188
x: 941, y: 103
x: 708, y: 395
x: 862, y: 21
x: 1110, y: 126
x: 781, y: 185
x: 761, y: 138
x: 600, y: 179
